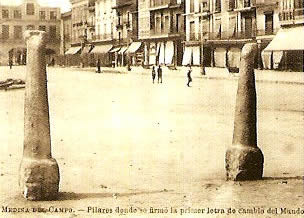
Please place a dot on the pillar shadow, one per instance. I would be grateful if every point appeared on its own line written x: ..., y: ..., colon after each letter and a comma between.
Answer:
x: 284, y: 178
x: 66, y: 196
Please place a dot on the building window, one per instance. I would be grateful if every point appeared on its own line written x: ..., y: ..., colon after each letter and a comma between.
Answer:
x: 178, y: 16
x: 17, y: 32
x: 152, y: 21
x: 269, y: 24
x: 217, y: 5
x: 231, y: 5
x: 30, y: 27
x: 53, y: 15
x: 17, y: 14
x: 42, y: 15
x: 167, y: 25
x: 30, y: 9
x: 161, y: 22
x: 191, y: 6
x: 247, y: 3
x: 5, y: 31
x: 158, y: 25
x: 192, y: 31
x: 299, y: 4
x: 42, y: 28
x: 53, y: 32
x: 5, y: 13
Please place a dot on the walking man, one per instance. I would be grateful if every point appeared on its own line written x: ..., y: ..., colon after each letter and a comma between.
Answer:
x: 10, y: 62
x: 153, y: 74
x: 98, y: 66
x: 159, y: 74
x: 189, y: 76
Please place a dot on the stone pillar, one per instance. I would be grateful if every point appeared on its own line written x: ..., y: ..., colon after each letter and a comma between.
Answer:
x: 39, y: 172
x: 244, y: 160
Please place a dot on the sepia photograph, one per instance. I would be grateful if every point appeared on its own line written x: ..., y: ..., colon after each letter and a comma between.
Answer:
x: 152, y: 108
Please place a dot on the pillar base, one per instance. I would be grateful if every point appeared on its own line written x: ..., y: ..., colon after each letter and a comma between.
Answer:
x: 39, y: 179
x: 244, y: 163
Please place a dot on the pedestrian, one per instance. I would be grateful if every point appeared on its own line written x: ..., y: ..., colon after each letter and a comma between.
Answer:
x: 153, y: 74
x: 189, y: 76
x: 98, y: 66
x: 10, y: 63
x: 159, y: 74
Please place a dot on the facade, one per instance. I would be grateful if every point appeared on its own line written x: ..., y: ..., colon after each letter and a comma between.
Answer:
x: 105, y: 31
x: 288, y: 42
x: 17, y: 19
x: 161, y: 29
x: 83, y: 32
x: 66, y: 32
x: 218, y: 29
x: 126, y: 25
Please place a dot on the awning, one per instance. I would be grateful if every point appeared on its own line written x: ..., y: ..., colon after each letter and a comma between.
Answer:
x: 169, y: 53
x: 86, y: 50
x: 101, y: 49
x: 73, y: 50
x: 153, y: 51
x: 115, y: 49
x: 134, y: 47
x: 123, y: 50
x: 196, y: 55
x: 287, y: 39
x: 161, y: 59
x: 187, y: 56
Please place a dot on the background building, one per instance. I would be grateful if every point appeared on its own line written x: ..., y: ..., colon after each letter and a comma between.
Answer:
x: 14, y: 20
x: 161, y: 29
x: 218, y: 29
x: 66, y: 32
x: 287, y: 46
x: 126, y: 32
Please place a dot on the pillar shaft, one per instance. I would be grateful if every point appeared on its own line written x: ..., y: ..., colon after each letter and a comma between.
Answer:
x: 37, y: 141
x: 244, y: 160
x: 39, y: 172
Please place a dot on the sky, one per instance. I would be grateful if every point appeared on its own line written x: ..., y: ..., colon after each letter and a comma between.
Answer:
x: 63, y: 4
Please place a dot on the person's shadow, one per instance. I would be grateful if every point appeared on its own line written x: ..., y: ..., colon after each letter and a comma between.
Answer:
x: 66, y: 196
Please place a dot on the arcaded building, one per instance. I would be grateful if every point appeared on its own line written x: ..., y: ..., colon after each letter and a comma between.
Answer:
x: 29, y: 15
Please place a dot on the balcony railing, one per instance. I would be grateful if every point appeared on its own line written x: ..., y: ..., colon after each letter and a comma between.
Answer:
x: 228, y: 35
x: 292, y: 14
x: 266, y: 32
x: 103, y: 37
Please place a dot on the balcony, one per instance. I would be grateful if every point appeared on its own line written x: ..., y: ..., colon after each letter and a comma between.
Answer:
x: 165, y: 34
x: 291, y: 15
x: 158, y: 5
x: 103, y: 37
x: 228, y: 35
x: 266, y: 32
x: 245, y: 6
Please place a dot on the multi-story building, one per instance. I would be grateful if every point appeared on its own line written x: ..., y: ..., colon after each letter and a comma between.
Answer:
x: 66, y: 31
x: 287, y: 46
x: 161, y: 29
x: 126, y: 24
x: 83, y: 31
x: 218, y: 29
x: 105, y: 31
x: 14, y: 20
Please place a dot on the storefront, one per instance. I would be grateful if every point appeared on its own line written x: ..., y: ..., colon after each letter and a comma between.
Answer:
x: 73, y: 56
x: 192, y: 56
x: 101, y: 52
x: 135, y: 53
x: 286, y: 49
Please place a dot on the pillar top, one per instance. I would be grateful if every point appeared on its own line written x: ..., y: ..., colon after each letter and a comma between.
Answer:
x: 29, y: 33
x: 249, y: 49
